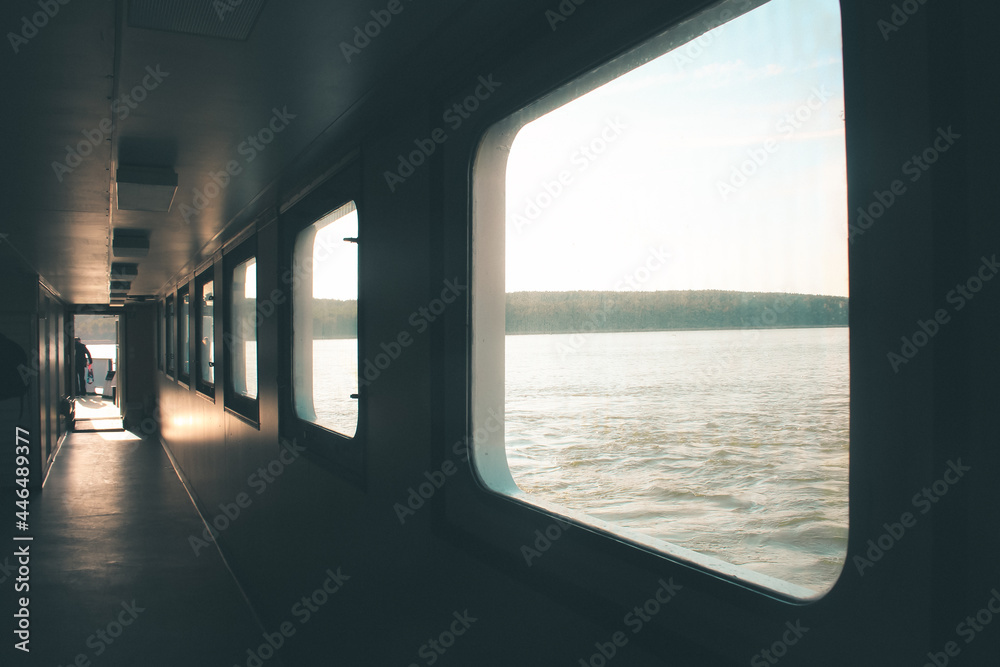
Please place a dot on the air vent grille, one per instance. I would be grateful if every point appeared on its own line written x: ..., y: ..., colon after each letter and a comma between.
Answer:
x: 226, y: 19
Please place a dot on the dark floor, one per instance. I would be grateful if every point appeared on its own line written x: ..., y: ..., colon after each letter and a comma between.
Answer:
x: 110, y: 546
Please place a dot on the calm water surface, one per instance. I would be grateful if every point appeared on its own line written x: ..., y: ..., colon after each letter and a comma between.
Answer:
x: 730, y: 443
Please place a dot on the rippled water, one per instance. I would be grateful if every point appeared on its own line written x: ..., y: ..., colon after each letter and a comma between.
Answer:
x: 729, y: 443
x: 335, y: 378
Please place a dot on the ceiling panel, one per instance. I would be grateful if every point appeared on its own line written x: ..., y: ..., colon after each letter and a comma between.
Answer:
x: 228, y: 19
x: 90, y: 91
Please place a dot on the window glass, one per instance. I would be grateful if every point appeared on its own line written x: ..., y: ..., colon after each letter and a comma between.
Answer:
x: 159, y: 335
x: 676, y: 310
x: 171, y: 359
x: 244, y: 328
x: 325, y: 324
x: 184, y: 331
x: 206, y: 343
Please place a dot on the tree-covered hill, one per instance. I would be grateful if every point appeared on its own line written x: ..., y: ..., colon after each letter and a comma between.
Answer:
x: 563, y: 312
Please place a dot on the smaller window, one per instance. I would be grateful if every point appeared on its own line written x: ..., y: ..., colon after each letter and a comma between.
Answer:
x: 241, y: 331
x: 244, y: 327
x: 184, y: 333
x: 170, y: 352
x: 159, y: 335
x: 205, y: 332
x: 325, y: 322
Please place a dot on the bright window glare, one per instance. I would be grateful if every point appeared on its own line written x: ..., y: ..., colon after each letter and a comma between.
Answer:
x: 169, y: 328
x: 335, y: 274
x: 690, y: 132
x: 676, y: 256
x: 206, y: 346
x: 244, y: 329
x: 251, y: 277
x: 325, y: 312
x: 118, y: 436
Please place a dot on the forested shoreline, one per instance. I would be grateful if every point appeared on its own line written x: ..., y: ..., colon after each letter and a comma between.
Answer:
x: 568, y: 312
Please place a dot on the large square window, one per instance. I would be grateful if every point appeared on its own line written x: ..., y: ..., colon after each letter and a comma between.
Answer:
x: 661, y: 303
x: 325, y: 322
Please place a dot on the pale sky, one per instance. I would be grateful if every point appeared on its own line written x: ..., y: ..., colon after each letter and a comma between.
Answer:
x: 335, y: 260
x: 678, y: 127
x: 250, y: 287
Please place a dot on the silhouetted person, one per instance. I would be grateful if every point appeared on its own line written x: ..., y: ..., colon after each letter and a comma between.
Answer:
x: 83, y: 359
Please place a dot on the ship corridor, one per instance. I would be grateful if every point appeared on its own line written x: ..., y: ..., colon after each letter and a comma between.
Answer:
x: 167, y: 161
x: 114, y: 578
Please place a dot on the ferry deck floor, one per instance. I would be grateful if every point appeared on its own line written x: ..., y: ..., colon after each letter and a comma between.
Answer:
x: 113, y: 578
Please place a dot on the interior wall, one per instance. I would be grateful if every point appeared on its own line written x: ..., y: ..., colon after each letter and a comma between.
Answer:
x: 138, y: 374
x: 403, y: 583
x: 19, y: 324
x: 309, y: 520
x: 34, y: 322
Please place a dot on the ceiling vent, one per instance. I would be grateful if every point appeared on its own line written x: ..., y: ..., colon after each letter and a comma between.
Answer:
x: 225, y: 19
x: 130, y: 243
x: 145, y: 188
x: 120, y: 285
x: 121, y: 271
